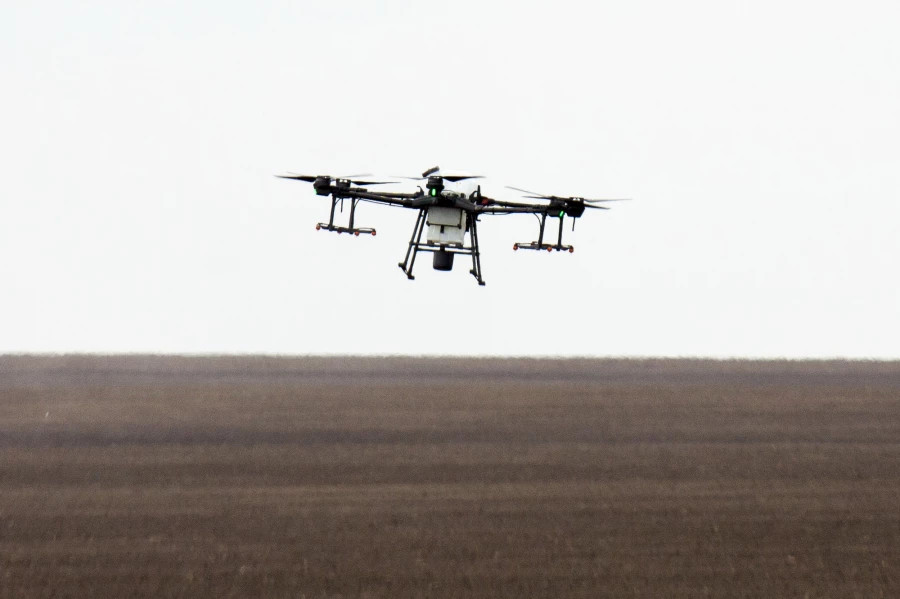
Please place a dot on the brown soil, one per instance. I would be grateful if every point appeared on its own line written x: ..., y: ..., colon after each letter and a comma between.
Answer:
x: 353, y: 477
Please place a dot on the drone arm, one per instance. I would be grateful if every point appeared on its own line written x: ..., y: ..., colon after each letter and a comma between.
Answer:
x: 388, y: 202
x: 377, y: 197
x: 511, y: 208
x: 389, y: 194
x: 380, y: 199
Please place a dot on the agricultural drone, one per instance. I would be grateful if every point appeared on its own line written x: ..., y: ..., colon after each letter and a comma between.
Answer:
x: 448, y: 209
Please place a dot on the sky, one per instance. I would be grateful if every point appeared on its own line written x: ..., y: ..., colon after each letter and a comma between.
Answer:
x: 760, y: 142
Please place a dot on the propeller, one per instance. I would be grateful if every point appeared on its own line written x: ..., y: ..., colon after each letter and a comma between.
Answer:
x: 352, y: 179
x: 539, y: 196
x: 435, y: 172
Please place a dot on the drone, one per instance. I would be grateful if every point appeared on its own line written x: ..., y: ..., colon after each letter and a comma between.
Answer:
x: 449, y: 209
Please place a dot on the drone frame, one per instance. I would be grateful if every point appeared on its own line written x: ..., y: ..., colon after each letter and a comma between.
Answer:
x: 471, y: 207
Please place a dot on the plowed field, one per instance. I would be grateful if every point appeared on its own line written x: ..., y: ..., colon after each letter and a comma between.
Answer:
x: 354, y: 477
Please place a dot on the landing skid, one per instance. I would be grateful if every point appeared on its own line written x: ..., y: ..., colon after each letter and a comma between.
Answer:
x: 337, y: 229
x: 534, y: 245
x: 330, y: 226
x: 540, y: 245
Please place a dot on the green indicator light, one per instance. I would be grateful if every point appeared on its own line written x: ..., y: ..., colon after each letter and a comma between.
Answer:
x: 561, y: 213
x: 434, y: 192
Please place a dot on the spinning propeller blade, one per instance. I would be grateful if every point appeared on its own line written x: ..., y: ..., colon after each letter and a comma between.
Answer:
x: 307, y: 178
x: 451, y: 178
x: 537, y: 196
x: 455, y: 178
x: 532, y: 194
x: 351, y: 178
x: 435, y: 171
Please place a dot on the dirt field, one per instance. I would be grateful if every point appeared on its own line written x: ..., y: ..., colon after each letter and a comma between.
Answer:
x: 266, y: 477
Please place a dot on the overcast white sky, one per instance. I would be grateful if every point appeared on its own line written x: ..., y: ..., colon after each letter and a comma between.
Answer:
x: 760, y: 142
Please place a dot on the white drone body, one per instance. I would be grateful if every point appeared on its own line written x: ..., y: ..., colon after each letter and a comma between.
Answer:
x: 447, y: 226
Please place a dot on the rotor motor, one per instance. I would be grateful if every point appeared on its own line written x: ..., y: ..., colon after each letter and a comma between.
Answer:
x: 574, y: 208
x: 322, y: 186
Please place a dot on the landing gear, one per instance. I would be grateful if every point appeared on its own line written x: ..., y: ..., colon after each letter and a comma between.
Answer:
x: 330, y: 226
x: 540, y: 245
x: 443, y: 253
